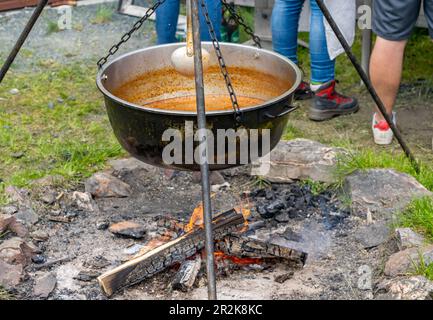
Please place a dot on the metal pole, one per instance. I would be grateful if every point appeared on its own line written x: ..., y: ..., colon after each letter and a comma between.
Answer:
x: 366, y: 44
x: 24, y: 34
x: 204, y: 165
x: 367, y: 83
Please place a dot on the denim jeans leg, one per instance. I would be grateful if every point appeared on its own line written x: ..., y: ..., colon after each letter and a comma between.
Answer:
x: 322, y: 67
x: 166, y: 21
x: 215, y: 15
x: 284, y: 25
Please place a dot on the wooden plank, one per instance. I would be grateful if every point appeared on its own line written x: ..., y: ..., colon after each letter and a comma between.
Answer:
x: 177, y: 250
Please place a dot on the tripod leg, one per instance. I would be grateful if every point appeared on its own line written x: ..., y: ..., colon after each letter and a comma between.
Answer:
x: 24, y: 34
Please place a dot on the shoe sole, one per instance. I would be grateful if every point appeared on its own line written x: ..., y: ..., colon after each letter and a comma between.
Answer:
x: 321, y: 115
x: 383, y: 142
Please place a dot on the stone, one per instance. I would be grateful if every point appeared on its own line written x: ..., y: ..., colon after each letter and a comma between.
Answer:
x: 411, y: 288
x: 27, y: 216
x: 10, y: 274
x: 16, y: 251
x: 373, y: 235
x: 19, y: 196
x: 129, y: 164
x: 302, y: 159
x: 49, y: 197
x: 128, y: 229
x: 220, y: 187
x: 403, y: 262
x: 84, y: 201
x: 44, y: 285
x: 170, y: 173
x: 9, y: 210
x: 86, y: 276
x: 17, y: 155
x: 383, y: 192
x: 407, y: 238
x: 39, y: 259
x: 282, y: 217
x: 5, y: 221
x: 132, y: 250
x: 10, y: 223
x: 104, y: 185
x: 39, y: 235
x: 14, y: 91
x: 284, y: 277
x: 102, y: 225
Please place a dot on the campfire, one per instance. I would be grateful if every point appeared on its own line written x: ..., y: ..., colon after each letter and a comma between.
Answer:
x: 233, y: 249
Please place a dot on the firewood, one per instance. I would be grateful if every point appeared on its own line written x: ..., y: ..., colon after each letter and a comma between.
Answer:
x: 185, y: 277
x: 242, y: 246
x: 177, y: 250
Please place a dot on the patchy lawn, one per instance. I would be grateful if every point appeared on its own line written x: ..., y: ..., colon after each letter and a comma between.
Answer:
x: 56, y: 124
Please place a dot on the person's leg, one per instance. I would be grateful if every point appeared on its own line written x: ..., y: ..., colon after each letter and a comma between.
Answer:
x: 327, y: 103
x: 166, y: 21
x: 393, y: 22
x: 215, y: 15
x: 284, y: 26
x: 386, y: 66
x: 322, y: 67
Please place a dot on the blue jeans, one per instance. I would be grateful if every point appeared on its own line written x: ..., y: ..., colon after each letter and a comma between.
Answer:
x: 285, y: 23
x: 168, y: 12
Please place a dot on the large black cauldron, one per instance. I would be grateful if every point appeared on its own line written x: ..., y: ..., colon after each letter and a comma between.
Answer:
x: 139, y: 129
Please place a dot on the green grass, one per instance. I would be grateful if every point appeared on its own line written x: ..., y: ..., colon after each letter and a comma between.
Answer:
x: 424, y: 269
x: 58, y: 121
x: 419, y: 217
x: 316, y: 187
x: 103, y: 15
x: 5, y: 295
x: 364, y: 159
x: 52, y: 27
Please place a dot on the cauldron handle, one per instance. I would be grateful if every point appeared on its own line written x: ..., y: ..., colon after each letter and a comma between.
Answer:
x: 289, y: 109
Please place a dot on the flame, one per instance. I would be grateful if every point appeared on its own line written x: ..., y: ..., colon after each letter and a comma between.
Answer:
x: 245, y: 211
x: 219, y: 255
x: 196, y: 218
x: 197, y: 215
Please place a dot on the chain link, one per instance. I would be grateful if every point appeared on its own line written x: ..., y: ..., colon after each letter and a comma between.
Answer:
x: 222, y: 64
x: 242, y: 22
x: 137, y: 25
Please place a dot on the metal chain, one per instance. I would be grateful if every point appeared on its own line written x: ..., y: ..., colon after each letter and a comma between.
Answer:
x: 242, y: 22
x: 222, y: 64
x: 137, y: 25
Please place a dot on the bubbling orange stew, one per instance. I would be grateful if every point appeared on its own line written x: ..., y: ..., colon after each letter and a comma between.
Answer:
x: 168, y: 90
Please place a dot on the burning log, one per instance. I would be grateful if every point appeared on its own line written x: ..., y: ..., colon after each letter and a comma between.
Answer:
x: 187, y: 274
x: 243, y: 246
x: 177, y: 250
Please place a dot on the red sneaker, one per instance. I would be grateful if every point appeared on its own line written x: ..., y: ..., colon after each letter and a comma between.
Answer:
x: 303, y: 92
x: 328, y: 103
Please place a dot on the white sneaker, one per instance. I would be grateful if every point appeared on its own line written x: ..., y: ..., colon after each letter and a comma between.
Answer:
x: 382, y: 133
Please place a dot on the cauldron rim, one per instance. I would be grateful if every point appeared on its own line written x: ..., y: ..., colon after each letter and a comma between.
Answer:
x: 130, y: 105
